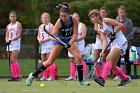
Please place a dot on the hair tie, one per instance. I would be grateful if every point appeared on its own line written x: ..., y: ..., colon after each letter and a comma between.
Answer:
x: 58, y: 6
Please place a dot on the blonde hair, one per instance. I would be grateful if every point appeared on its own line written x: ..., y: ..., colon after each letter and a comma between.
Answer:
x: 46, y: 14
x: 94, y: 12
x: 13, y: 12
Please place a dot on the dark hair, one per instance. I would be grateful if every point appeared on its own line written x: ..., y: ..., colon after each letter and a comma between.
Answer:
x: 64, y: 7
x: 122, y: 7
x: 104, y: 8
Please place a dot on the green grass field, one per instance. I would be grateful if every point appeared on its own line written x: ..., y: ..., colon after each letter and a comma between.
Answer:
x: 59, y: 86
x: 62, y: 86
x: 28, y: 65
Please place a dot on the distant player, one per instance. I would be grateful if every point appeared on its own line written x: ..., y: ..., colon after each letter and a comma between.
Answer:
x: 118, y: 46
x: 66, y: 29
x: 81, y: 44
x: 46, y: 46
x: 13, y: 35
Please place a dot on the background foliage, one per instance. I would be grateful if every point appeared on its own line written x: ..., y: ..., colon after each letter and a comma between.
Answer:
x: 29, y: 11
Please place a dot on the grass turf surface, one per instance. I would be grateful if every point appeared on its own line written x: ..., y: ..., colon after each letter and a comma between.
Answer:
x: 28, y: 65
x: 62, y: 86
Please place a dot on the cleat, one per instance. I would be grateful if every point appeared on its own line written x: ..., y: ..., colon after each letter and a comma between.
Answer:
x: 99, y: 80
x: 124, y: 82
x: 50, y: 79
x: 116, y: 78
x: 30, y: 79
x: 69, y: 79
x: 84, y: 83
x: 12, y: 79
x: 42, y: 79
x: 18, y: 79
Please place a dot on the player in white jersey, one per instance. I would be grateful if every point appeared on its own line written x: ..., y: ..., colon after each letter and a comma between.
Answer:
x: 81, y: 44
x: 118, y: 45
x: 98, y: 44
x: 46, y: 45
x: 13, y: 35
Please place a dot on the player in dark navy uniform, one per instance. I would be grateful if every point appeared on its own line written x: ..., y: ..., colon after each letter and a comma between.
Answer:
x: 66, y: 30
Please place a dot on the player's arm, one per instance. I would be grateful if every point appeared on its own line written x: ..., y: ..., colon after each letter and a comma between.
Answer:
x: 55, y: 29
x: 51, y: 29
x: 18, y: 33
x: 96, y: 29
x: 7, y: 35
x: 84, y: 32
x: 103, y: 40
x: 115, y: 23
x: 75, y: 31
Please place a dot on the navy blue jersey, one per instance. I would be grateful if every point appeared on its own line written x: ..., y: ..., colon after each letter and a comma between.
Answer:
x: 66, y: 30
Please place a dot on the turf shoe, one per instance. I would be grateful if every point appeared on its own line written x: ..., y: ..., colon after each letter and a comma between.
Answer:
x: 84, y: 83
x: 30, y: 79
x: 12, y: 79
x: 69, y: 79
x: 50, y: 79
x: 124, y: 82
x: 99, y: 80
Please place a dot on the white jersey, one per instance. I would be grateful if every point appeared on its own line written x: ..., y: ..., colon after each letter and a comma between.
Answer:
x: 46, y: 46
x: 12, y: 33
x: 120, y: 41
x: 98, y: 43
x: 81, y: 42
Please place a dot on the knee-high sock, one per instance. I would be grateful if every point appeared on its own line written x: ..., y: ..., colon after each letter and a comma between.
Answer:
x: 39, y: 70
x: 45, y: 73
x: 80, y: 72
x: 103, y: 65
x: 13, y: 71
x: 72, y: 69
x: 52, y: 70
x: 106, y: 70
x: 97, y: 69
x: 120, y: 73
x: 17, y: 69
x: 84, y: 69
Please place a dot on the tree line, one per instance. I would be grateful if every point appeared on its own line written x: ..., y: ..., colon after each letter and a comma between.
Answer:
x: 29, y: 11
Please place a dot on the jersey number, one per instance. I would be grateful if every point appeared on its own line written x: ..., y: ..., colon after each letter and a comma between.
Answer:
x: 11, y: 35
x: 42, y: 35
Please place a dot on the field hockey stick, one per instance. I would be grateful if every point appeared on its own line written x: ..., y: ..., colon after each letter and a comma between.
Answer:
x: 61, y: 42
x: 91, y: 74
x: 40, y: 48
x: 9, y: 59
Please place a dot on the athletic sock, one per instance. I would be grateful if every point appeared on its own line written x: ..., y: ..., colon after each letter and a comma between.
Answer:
x: 39, y: 70
x: 120, y: 73
x: 80, y: 72
x: 84, y: 69
x: 106, y: 70
x: 13, y: 72
x: 45, y: 73
x: 97, y: 69
x: 103, y: 65
x: 72, y: 69
x: 17, y: 69
x: 52, y: 70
